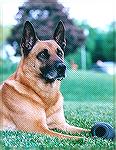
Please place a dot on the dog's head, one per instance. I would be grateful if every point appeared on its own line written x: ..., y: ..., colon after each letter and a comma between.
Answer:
x: 43, y: 59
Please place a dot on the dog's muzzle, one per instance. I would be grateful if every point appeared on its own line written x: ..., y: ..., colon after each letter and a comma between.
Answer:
x: 54, y: 72
x: 61, y: 68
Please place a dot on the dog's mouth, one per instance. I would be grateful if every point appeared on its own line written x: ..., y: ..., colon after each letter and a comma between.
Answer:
x: 51, y: 76
x: 54, y: 72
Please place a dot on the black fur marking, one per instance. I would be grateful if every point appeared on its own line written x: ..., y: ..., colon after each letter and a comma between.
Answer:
x: 43, y: 55
x: 59, y: 35
x: 29, y: 38
x: 59, y: 53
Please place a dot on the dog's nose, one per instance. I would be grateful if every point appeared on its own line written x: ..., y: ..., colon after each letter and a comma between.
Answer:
x: 61, y: 68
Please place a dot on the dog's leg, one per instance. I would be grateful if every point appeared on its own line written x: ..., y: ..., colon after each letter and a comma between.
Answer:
x: 42, y: 128
x: 68, y: 128
x: 57, y: 121
x: 37, y: 124
x: 45, y: 130
x: 59, y: 135
x: 72, y: 129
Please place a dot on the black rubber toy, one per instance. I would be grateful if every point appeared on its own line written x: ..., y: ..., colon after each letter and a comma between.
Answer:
x: 103, y: 130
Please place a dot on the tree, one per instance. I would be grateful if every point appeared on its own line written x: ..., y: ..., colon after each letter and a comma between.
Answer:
x: 105, y: 47
x: 101, y: 45
x: 44, y: 15
x: 109, y: 44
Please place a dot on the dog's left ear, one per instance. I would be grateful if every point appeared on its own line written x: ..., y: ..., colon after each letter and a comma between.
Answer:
x: 59, y: 35
x: 29, y: 38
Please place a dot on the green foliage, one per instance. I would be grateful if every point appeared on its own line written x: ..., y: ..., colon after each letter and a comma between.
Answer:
x: 100, y: 44
x: 109, y: 46
x: 76, y: 58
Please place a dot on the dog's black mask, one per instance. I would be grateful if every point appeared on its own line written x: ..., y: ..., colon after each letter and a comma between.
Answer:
x: 53, y: 72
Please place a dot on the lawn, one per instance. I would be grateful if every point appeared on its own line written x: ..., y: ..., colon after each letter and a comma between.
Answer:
x: 88, y: 98
x: 79, y: 114
x: 88, y: 86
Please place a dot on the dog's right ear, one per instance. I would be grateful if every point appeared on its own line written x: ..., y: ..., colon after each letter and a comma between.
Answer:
x: 29, y: 38
x: 59, y: 35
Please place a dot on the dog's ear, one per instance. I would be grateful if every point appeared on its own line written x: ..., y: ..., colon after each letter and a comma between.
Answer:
x: 59, y: 35
x: 29, y: 38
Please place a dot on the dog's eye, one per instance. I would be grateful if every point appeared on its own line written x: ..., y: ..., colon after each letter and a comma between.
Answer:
x: 43, y: 55
x: 59, y: 53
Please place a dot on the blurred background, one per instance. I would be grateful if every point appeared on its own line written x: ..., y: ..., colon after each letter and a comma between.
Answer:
x: 89, y: 89
x: 90, y: 53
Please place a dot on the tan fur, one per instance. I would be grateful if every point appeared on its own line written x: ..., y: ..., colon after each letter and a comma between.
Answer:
x: 28, y: 104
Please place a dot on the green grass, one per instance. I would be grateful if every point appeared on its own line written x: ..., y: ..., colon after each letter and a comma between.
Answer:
x: 88, y: 99
x: 88, y: 86
x: 78, y: 114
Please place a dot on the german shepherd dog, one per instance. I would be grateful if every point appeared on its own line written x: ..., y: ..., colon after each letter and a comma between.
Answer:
x: 31, y: 97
